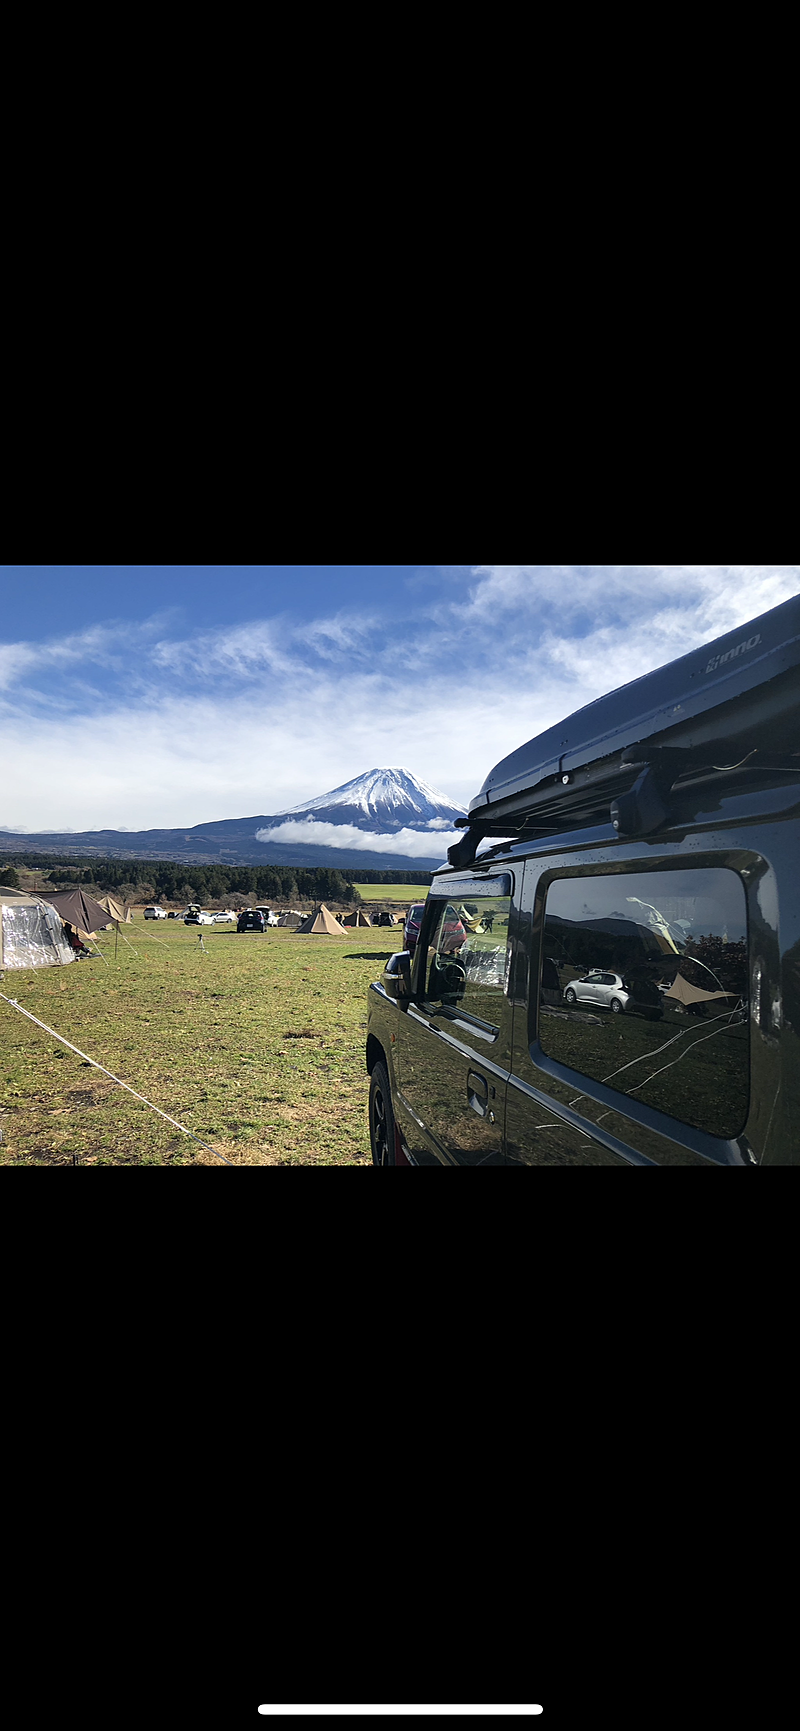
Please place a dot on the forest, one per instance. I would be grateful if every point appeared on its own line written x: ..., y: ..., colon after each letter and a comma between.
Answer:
x: 175, y: 881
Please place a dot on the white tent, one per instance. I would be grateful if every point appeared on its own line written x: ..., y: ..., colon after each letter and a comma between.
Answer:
x: 31, y: 933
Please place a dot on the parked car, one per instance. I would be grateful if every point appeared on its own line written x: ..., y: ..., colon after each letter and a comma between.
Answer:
x: 155, y: 913
x: 172, y: 915
x: 197, y: 917
x: 251, y: 920
x: 614, y: 992
x: 412, y: 925
x: 675, y: 856
x: 223, y: 919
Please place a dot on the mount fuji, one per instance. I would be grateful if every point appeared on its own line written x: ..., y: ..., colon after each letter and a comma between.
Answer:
x: 385, y: 819
x: 383, y: 800
x: 389, y: 814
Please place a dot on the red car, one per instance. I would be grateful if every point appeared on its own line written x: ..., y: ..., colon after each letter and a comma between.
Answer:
x: 412, y: 926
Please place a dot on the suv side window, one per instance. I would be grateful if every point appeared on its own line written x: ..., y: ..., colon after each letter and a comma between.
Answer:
x: 674, y: 1033
x: 467, y: 955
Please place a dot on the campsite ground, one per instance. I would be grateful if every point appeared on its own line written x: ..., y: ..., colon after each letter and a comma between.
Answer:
x: 254, y: 1041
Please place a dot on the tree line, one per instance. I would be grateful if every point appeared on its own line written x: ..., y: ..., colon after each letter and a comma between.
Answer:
x: 174, y: 881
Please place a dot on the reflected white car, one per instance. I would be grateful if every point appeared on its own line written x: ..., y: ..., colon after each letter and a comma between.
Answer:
x: 155, y: 913
x: 600, y: 988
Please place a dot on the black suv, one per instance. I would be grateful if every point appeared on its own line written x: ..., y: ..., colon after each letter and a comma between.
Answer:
x: 251, y: 920
x: 617, y: 982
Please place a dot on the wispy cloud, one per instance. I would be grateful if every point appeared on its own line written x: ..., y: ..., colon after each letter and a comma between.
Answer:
x: 137, y: 725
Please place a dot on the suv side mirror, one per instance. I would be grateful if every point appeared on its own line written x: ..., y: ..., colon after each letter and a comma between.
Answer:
x: 397, y: 975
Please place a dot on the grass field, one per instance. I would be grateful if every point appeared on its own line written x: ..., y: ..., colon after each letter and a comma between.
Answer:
x: 392, y: 892
x: 257, y: 1046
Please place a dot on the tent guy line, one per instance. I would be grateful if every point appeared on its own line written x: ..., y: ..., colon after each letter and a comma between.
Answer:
x: 120, y: 1084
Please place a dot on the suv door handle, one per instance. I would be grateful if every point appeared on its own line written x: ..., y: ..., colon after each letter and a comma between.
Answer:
x: 477, y: 1092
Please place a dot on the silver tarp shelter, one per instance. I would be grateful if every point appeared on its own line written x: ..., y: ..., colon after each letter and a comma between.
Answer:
x: 31, y: 933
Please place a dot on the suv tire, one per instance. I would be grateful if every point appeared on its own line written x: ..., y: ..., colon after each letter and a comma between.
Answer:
x: 381, y: 1118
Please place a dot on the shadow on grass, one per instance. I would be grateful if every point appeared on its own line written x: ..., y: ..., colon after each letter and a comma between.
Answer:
x: 369, y: 955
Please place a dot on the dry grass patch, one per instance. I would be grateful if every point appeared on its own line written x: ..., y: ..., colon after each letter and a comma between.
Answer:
x: 257, y: 1046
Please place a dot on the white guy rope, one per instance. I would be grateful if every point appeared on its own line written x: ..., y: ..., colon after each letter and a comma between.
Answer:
x: 120, y: 1084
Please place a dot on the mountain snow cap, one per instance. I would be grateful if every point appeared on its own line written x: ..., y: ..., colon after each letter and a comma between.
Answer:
x: 381, y: 799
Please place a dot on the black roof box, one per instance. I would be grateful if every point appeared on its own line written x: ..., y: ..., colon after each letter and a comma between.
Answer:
x: 742, y: 690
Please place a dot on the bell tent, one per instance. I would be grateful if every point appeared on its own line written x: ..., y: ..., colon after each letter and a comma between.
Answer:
x: 321, y: 923
x: 119, y: 914
x: 290, y: 918
x: 357, y: 919
x: 31, y: 933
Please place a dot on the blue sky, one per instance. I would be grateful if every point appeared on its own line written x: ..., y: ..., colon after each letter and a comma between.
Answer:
x: 141, y: 696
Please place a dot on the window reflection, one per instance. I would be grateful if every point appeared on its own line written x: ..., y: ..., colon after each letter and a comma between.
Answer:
x: 467, y: 951
x: 644, y: 986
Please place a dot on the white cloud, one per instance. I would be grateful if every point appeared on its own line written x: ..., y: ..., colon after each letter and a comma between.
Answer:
x: 118, y: 725
x: 416, y: 843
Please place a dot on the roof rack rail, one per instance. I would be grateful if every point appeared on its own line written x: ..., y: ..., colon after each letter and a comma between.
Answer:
x: 736, y: 699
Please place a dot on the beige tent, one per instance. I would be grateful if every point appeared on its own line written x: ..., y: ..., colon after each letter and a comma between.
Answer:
x: 290, y: 919
x: 31, y: 933
x: 686, y: 993
x: 118, y: 913
x: 356, y: 919
x: 321, y: 923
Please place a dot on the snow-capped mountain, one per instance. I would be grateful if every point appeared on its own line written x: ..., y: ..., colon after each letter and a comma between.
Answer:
x: 386, y: 818
x: 380, y: 801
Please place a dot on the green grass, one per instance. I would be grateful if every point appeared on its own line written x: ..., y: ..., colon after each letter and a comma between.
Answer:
x: 257, y: 1046
x: 392, y: 892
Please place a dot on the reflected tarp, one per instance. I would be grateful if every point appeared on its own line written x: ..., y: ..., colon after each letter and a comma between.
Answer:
x: 32, y: 936
x: 686, y: 993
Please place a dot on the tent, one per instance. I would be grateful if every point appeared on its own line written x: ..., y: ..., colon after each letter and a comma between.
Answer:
x: 686, y: 993
x: 31, y: 934
x: 118, y: 913
x: 290, y: 918
x: 81, y: 911
x: 356, y: 919
x: 321, y: 923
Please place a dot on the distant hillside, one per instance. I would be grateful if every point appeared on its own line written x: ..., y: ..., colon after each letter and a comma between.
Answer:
x: 203, y: 846
x: 380, y: 802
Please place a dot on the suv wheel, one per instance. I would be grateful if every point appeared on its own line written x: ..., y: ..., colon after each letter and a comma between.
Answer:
x: 381, y: 1118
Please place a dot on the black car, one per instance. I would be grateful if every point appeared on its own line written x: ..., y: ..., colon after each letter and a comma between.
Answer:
x: 251, y: 920
x: 646, y: 850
